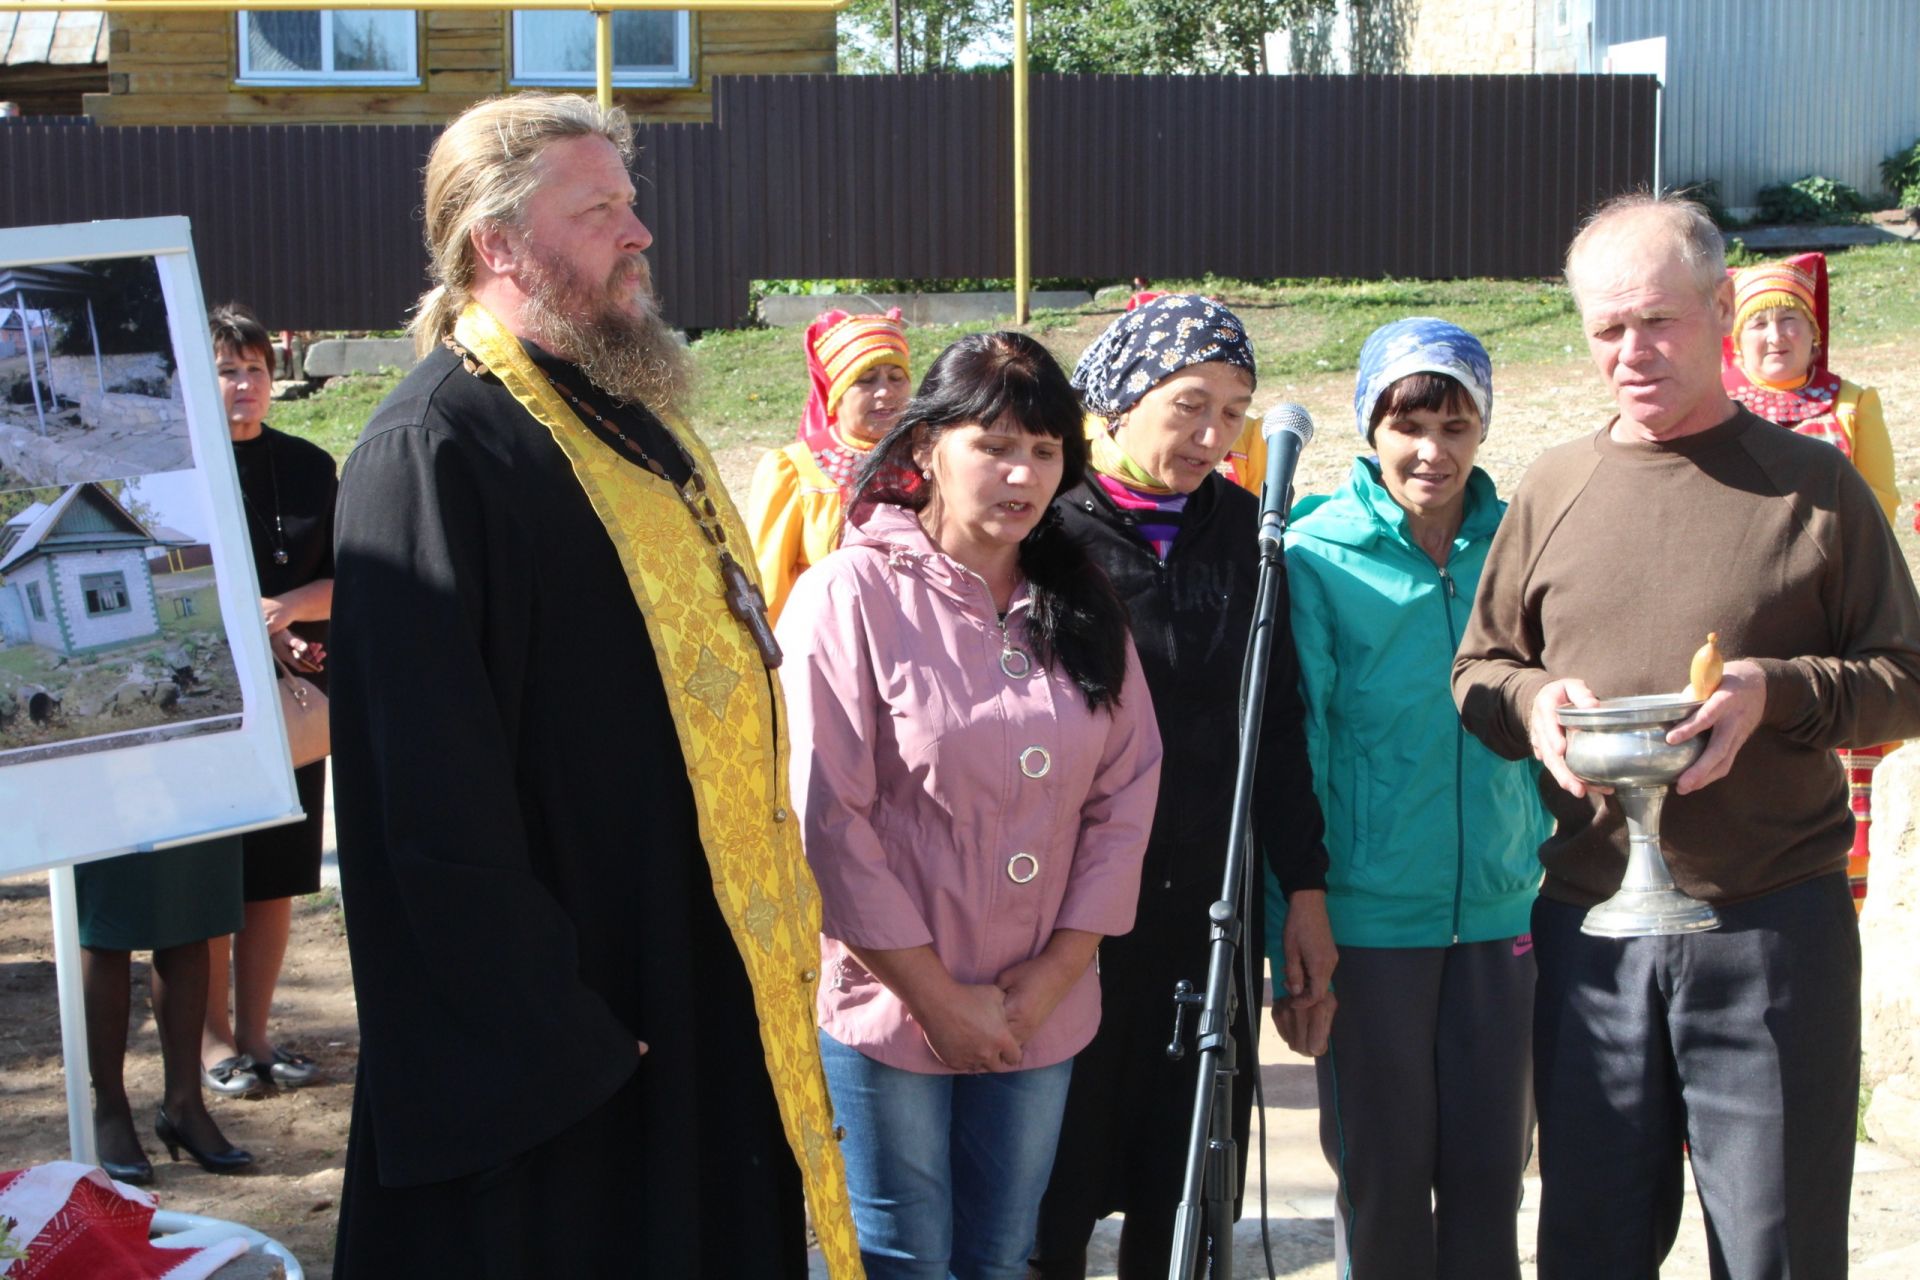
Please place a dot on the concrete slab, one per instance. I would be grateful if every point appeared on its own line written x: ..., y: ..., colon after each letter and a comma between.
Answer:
x: 799, y: 310
x: 335, y: 357
x: 1803, y: 239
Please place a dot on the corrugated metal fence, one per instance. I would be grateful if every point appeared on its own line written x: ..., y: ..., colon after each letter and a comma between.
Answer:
x: 882, y: 176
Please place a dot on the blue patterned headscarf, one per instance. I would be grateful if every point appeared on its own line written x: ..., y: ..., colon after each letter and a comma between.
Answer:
x: 1422, y: 344
x: 1154, y: 342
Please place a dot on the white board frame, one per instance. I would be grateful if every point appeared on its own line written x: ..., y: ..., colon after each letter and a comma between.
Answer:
x: 151, y: 795
x: 156, y: 795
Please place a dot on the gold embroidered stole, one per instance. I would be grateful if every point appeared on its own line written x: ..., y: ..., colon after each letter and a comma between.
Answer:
x: 731, y: 722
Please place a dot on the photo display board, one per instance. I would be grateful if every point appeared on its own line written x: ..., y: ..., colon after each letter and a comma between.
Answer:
x: 138, y: 706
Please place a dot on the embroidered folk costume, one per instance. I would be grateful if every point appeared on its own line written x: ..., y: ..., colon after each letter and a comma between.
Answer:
x: 541, y: 625
x: 794, y: 505
x: 1827, y: 407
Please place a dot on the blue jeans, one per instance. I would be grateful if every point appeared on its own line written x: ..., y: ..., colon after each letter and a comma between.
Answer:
x: 945, y: 1172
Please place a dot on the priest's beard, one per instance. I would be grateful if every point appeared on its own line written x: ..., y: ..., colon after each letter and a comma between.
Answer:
x: 614, y: 331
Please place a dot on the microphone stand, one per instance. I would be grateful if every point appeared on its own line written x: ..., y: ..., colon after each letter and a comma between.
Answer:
x: 1211, y: 1184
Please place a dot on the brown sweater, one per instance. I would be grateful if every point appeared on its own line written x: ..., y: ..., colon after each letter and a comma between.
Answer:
x: 1614, y: 563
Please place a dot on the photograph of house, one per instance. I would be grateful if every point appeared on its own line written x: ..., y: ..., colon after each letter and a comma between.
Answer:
x: 95, y: 650
x: 75, y: 574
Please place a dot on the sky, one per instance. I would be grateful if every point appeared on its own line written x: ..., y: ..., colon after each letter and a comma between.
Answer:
x: 180, y: 498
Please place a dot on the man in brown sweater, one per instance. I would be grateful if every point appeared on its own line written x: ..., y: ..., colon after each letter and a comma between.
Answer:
x: 1620, y: 553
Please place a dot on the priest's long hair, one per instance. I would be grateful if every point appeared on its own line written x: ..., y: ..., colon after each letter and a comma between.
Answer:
x: 1075, y: 618
x: 482, y: 171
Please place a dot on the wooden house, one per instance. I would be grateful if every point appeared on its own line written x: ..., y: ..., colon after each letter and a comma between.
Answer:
x: 336, y: 66
x: 48, y: 60
x: 74, y: 576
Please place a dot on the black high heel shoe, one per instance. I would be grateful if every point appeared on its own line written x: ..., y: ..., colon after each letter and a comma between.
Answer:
x: 134, y: 1175
x: 232, y: 1160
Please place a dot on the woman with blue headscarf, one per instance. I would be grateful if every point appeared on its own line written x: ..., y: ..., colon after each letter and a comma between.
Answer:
x: 1425, y: 1100
x: 1167, y: 388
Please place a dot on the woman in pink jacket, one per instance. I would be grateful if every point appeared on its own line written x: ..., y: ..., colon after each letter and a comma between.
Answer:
x: 975, y: 764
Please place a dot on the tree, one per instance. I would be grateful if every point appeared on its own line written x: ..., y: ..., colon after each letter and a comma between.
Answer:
x: 1162, y: 37
x: 1357, y: 36
x: 14, y: 501
x: 130, y: 312
x: 935, y: 35
x: 1140, y: 37
x: 124, y: 493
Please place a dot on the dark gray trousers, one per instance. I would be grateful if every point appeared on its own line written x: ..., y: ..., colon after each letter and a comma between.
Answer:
x: 1743, y: 1044
x: 1425, y: 1111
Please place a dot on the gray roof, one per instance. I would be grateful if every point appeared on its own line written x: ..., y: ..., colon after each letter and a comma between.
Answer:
x: 65, y: 38
x: 28, y: 544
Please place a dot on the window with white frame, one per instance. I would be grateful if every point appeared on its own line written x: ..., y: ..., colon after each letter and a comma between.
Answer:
x: 555, y: 47
x: 329, y: 46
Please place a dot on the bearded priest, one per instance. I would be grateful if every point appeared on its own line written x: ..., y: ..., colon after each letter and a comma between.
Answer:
x: 584, y: 938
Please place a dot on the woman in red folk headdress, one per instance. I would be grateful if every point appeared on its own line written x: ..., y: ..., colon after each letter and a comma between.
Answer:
x: 1775, y: 363
x: 860, y: 383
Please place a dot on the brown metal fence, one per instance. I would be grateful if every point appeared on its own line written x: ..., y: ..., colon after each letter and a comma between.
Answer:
x: 317, y: 226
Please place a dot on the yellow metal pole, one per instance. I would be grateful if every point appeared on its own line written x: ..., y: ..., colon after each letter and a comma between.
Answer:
x: 603, y: 55
x: 1022, y: 187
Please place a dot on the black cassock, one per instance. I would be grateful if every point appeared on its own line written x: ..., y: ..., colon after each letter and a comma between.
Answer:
x: 525, y: 890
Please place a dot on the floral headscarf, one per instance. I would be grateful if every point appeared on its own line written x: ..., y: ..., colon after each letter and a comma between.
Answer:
x: 1421, y: 344
x: 1155, y: 341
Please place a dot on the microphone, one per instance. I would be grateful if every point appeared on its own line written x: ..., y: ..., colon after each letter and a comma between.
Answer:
x: 1287, y: 429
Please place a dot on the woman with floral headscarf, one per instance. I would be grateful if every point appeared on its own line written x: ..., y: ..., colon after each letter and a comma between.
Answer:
x: 1424, y: 1085
x: 1775, y: 363
x: 1167, y: 388
x: 857, y: 367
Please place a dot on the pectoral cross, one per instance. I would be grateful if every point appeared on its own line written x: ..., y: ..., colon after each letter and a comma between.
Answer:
x: 747, y: 604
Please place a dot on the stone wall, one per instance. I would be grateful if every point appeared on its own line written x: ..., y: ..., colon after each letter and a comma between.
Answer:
x: 1471, y: 37
x: 116, y: 412
x: 158, y: 442
x: 74, y: 376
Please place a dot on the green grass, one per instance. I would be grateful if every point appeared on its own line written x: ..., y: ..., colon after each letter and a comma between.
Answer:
x: 752, y: 382
x: 205, y: 618
x: 1876, y: 292
x: 24, y: 661
x: 333, y: 416
x: 1303, y: 327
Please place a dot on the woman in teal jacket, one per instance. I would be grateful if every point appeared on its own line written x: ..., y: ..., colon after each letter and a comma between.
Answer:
x: 1425, y: 1100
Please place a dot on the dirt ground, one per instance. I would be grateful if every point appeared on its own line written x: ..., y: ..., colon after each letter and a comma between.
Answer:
x: 299, y: 1137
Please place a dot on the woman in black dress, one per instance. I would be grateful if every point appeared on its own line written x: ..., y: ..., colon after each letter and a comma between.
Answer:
x: 288, y: 487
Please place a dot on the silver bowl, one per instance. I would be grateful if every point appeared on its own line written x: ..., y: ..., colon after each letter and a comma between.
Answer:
x: 1622, y: 744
